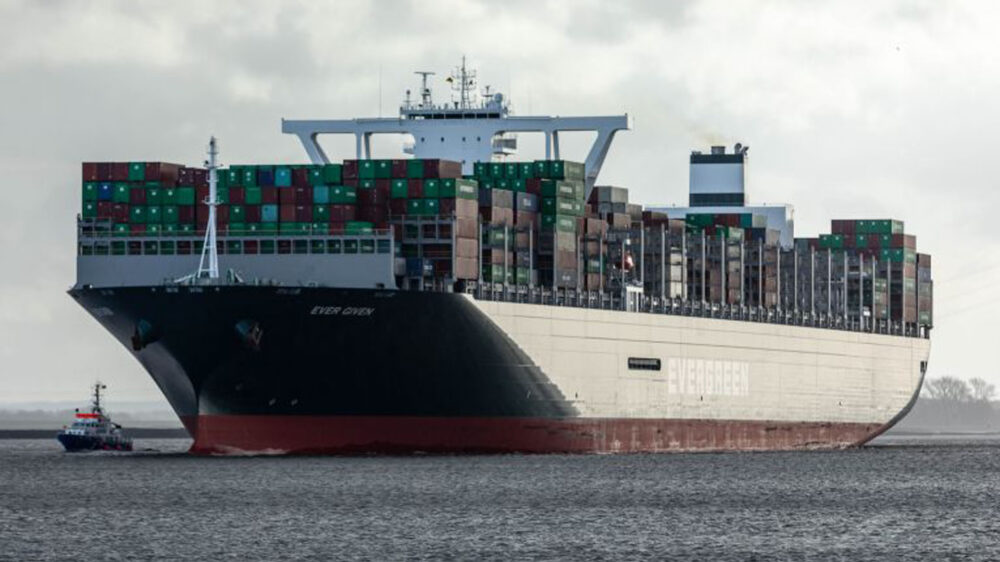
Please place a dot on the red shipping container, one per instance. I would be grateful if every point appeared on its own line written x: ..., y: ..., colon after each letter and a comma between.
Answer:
x: 397, y: 231
x: 237, y: 195
x: 200, y: 176
x: 351, y: 182
x: 300, y: 177
x: 119, y: 171
x: 336, y: 228
x: 137, y: 229
x: 342, y: 213
x: 252, y: 213
x: 303, y: 213
x: 415, y: 188
x: 286, y: 213
x: 221, y: 214
x: 383, y: 185
x: 104, y: 209
x: 201, y: 215
x: 371, y: 198
x: 250, y: 246
x: 269, y: 195
x: 201, y: 193
x: 349, y: 171
x: 372, y: 214
x: 397, y: 207
x: 90, y: 171
x: 442, y: 169
x: 446, y: 207
x: 534, y: 186
x: 103, y: 171
x: 185, y: 214
x: 163, y: 172
x: 119, y: 212
x: 303, y: 195
x: 399, y: 169
x: 382, y: 226
x: 185, y: 176
x: 137, y: 196
x: 286, y: 195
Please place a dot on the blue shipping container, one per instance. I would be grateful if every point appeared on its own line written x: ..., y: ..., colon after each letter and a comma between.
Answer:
x: 105, y: 191
x: 268, y: 213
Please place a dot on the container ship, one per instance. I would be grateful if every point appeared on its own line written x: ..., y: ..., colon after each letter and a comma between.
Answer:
x: 457, y: 299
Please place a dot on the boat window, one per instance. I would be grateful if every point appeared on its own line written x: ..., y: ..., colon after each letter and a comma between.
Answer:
x: 643, y: 364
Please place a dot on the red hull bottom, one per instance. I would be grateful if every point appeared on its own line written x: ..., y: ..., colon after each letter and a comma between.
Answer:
x: 234, y: 434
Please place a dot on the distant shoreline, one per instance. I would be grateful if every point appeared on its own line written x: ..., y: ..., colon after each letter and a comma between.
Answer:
x: 137, y: 433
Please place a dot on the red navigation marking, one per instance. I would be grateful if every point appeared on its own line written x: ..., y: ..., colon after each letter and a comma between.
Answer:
x: 88, y: 415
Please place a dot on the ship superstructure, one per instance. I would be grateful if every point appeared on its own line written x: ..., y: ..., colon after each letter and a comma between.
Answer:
x: 464, y: 301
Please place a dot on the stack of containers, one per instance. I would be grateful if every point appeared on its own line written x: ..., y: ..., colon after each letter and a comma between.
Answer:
x: 496, y: 212
x: 563, y: 192
x: 594, y: 253
x: 611, y: 204
x: 413, y: 196
x: 884, y: 240
x: 662, y: 261
x: 140, y: 198
x: 526, y: 226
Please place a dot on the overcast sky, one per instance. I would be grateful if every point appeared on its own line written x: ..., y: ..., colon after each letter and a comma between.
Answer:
x: 851, y: 109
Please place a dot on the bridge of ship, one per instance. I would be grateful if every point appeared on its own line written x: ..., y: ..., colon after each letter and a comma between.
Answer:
x: 486, y: 130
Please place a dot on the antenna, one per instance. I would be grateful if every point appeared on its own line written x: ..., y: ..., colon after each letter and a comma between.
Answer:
x: 463, y: 81
x: 425, y: 92
x: 209, y: 252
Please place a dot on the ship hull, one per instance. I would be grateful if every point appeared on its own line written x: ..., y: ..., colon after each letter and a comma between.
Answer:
x: 349, y: 371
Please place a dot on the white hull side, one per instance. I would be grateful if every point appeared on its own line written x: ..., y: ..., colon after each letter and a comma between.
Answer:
x: 714, y: 369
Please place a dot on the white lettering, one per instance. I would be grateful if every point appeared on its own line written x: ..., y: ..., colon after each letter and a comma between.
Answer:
x: 707, y: 377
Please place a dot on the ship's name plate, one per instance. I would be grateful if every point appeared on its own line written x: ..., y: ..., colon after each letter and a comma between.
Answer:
x: 707, y: 377
x: 342, y: 311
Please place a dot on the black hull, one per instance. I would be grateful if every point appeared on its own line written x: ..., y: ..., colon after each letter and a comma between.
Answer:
x: 323, y: 352
x: 76, y: 443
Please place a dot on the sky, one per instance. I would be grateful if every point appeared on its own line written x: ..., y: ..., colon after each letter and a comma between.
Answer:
x: 851, y: 109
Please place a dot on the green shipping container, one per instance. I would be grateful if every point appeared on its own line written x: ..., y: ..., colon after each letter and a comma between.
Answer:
x: 541, y: 168
x: 321, y: 213
x: 564, y: 169
x: 154, y: 214
x: 431, y: 207
x: 861, y: 241
x: 120, y: 230
x: 136, y: 171
x: 383, y: 169
x: 831, y: 241
x: 480, y: 170
x: 186, y: 195
x: 154, y: 229
x: 119, y: 192
x: 366, y: 184
x: 252, y: 196
x: 90, y: 191
x: 89, y: 210
x: 561, y: 223
x: 170, y: 215
x: 343, y: 195
x: 496, y: 170
x: 168, y: 196
x: 415, y: 169
x: 137, y: 214
x: 333, y: 174
x: 366, y: 169
x: 398, y: 189
x: 249, y: 178
x: 358, y: 227
x: 154, y: 196
x: 315, y: 175
x: 234, y: 176
x: 519, y: 185
x: 414, y: 207
x: 466, y: 189
x: 432, y: 188
x: 237, y: 214
x: 268, y: 228
x: 510, y: 170
x: 525, y: 170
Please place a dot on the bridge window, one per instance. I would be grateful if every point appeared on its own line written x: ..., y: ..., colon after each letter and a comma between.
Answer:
x: 442, y: 139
